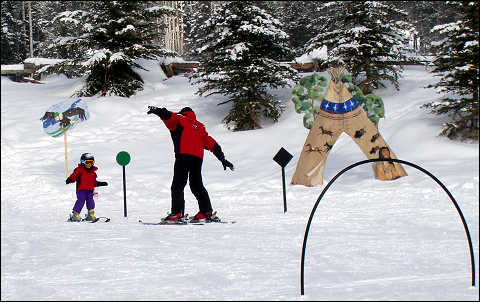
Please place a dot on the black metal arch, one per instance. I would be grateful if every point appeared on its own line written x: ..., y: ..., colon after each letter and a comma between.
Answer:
x: 472, y: 259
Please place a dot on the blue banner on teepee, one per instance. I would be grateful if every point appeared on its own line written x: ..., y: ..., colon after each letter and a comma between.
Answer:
x: 64, y: 116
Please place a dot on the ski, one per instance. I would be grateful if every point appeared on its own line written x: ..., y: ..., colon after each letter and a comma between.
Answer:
x: 210, y: 221
x: 205, y: 221
x: 185, y: 222
x: 163, y: 223
x: 224, y: 222
x: 86, y: 221
x: 103, y: 218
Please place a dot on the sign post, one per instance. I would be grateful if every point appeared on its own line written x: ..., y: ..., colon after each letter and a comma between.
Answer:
x: 62, y: 117
x: 283, y: 158
x: 123, y: 158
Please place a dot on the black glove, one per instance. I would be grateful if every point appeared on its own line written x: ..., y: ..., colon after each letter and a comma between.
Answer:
x: 163, y: 113
x: 217, y: 151
x: 68, y: 181
x: 101, y: 184
x: 226, y: 164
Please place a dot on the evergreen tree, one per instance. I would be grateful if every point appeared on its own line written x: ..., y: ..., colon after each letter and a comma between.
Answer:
x: 456, y: 62
x: 424, y: 15
x: 42, y: 12
x: 117, y: 33
x: 241, y: 59
x: 63, y: 21
x: 367, y: 37
x: 196, y: 13
x: 297, y: 16
x: 14, y: 36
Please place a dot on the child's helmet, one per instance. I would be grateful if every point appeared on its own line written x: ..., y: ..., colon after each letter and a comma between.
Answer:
x: 86, y: 156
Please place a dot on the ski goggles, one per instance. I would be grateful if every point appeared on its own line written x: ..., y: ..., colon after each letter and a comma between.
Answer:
x: 88, y: 161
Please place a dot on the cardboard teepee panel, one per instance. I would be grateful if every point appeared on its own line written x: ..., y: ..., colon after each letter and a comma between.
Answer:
x: 337, y: 92
x: 341, y: 113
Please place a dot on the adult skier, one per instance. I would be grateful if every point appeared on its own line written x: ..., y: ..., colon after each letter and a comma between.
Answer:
x: 190, y: 138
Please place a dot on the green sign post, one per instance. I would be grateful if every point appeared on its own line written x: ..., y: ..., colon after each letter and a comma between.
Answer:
x: 123, y: 158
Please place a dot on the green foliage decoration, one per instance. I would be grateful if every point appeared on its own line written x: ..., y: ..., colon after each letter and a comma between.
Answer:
x: 307, y: 96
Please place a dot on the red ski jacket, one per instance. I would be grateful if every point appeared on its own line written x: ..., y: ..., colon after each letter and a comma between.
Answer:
x: 189, y: 135
x: 86, y: 179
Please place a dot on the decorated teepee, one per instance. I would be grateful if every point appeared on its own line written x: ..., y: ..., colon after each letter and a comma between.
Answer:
x: 340, y: 112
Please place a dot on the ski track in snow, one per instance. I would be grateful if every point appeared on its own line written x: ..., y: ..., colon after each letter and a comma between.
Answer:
x: 369, y: 240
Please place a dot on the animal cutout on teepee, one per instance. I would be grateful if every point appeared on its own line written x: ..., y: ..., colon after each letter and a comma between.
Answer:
x: 340, y: 112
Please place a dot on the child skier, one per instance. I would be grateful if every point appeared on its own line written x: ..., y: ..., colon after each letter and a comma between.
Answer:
x: 189, y: 139
x: 86, y: 179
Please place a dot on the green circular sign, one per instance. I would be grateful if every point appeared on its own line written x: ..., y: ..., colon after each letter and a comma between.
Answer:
x: 123, y: 158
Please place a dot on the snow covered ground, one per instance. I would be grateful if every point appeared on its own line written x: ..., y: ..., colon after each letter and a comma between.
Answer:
x: 369, y: 240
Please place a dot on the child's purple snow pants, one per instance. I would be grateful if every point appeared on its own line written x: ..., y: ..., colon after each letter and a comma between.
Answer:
x: 82, y: 196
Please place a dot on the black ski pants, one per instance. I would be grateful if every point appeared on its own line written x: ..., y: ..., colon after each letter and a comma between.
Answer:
x: 188, y: 167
